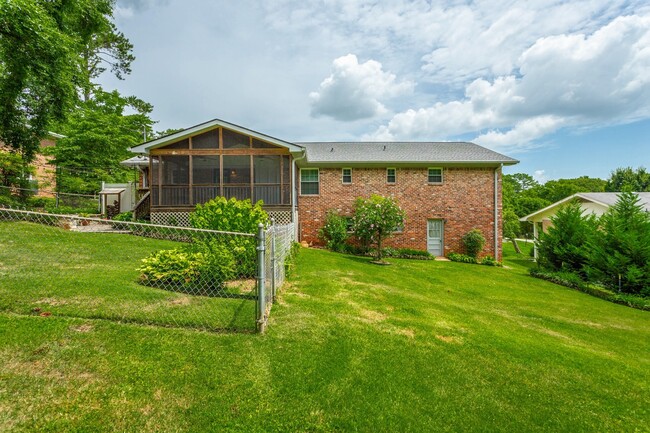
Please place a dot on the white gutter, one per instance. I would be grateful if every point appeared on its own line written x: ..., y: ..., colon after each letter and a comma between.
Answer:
x: 496, y: 212
x: 294, y: 193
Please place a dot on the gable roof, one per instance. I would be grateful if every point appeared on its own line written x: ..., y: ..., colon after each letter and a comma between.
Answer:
x: 605, y: 199
x: 402, y: 153
x: 206, y: 126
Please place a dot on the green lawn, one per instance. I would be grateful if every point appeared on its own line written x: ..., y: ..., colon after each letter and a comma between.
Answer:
x: 49, y: 270
x: 416, y: 346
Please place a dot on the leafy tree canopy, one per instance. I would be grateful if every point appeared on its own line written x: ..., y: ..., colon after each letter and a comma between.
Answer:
x: 375, y: 219
x: 628, y: 179
x: 49, y: 53
x: 98, y: 136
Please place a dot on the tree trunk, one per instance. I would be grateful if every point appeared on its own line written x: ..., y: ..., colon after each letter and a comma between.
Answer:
x: 379, y: 248
x: 514, y: 243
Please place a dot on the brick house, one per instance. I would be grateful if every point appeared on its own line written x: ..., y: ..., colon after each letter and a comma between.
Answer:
x: 446, y: 189
x: 44, y: 176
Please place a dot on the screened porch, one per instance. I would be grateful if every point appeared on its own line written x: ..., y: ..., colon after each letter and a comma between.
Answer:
x: 220, y: 163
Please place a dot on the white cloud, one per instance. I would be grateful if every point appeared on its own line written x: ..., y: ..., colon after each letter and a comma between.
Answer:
x: 540, y: 176
x: 356, y: 90
x: 565, y: 80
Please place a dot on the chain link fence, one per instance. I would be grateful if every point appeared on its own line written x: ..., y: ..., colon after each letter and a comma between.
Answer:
x: 65, y: 265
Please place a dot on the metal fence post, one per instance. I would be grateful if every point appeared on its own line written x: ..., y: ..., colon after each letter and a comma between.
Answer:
x: 273, y: 262
x: 261, y: 292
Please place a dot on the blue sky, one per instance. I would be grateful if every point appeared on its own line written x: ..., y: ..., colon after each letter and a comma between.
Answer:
x: 562, y: 86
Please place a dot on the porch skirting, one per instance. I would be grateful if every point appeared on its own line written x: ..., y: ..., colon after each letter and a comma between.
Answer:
x: 182, y: 219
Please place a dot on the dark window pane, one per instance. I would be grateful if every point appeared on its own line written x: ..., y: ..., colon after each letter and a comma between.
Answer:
x: 234, y: 140
x: 236, y: 169
x: 309, y: 181
x: 347, y: 175
x: 435, y: 175
x: 207, y: 140
x: 391, y: 176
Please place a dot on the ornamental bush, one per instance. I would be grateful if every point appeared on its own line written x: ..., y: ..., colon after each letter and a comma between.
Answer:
x: 621, y: 248
x: 233, y: 215
x: 375, y: 219
x: 564, y: 246
x: 474, y: 241
x: 196, y: 268
x: 334, y: 232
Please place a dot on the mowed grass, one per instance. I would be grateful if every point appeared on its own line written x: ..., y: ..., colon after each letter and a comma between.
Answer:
x: 416, y: 346
x: 49, y: 270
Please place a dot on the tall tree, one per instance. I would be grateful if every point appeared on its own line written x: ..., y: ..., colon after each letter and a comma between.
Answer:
x: 98, y: 136
x: 49, y: 53
x: 628, y: 179
x: 37, y: 71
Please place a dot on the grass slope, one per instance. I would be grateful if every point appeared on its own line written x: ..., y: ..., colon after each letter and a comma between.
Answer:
x: 416, y: 346
x: 95, y: 275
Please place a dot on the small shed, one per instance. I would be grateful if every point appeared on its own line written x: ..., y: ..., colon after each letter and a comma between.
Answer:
x: 116, y: 198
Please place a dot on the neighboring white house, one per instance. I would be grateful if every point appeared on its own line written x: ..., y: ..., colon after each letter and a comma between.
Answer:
x: 596, y: 203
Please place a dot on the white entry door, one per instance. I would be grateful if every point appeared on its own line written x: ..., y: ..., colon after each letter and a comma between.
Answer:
x: 434, y: 237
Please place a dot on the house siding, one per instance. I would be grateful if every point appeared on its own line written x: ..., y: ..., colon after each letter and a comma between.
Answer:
x: 464, y: 200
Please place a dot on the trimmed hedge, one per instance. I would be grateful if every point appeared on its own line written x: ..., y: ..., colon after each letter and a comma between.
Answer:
x: 573, y: 281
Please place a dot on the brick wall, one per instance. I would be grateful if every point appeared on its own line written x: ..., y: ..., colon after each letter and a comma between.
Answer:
x: 465, y: 200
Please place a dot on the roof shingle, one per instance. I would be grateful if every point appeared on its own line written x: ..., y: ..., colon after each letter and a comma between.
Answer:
x: 402, y: 152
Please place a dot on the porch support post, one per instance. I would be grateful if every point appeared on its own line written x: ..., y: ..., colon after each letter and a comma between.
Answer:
x: 535, y: 236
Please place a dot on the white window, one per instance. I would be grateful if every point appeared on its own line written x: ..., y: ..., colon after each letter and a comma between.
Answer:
x: 435, y: 175
x: 347, y: 175
x: 309, y: 181
x: 391, y: 175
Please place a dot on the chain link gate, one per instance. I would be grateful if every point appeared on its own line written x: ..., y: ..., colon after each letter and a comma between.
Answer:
x: 73, y: 266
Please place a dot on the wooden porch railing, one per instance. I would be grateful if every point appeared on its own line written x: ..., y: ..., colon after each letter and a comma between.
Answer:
x: 143, y: 207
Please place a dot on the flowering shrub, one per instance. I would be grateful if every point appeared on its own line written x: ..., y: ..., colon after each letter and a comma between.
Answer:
x: 375, y: 219
x: 334, y: 232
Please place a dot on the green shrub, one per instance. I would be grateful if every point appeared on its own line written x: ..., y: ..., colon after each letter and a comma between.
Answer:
x: 473, y: 242
x: 621, y: 248
x: 334, y: 232
x: 171, y: 267
x: 462, y: 258
x: 233, y: 216
x: 407, y: 253
x: 563, y: 246
x: 574, y: 281
x: 198, y: 268
x: 124, y: 216
x: 375, y: 219
x: 490, y: 261
x: 219, y: 265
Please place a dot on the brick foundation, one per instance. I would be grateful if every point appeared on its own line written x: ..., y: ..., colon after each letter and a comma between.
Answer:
x: 465, y: 200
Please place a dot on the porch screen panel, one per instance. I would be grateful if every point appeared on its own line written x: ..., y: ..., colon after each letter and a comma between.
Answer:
x: 286, y: 179
x: 183, y: 144
x: 235, y: 140
x: 155, y: 181
x: 175, y: 189
x: 237, y: 176
x: 205, y: 178
x: 259, y: 144
x: 207, y: 140
x: 267, y: 185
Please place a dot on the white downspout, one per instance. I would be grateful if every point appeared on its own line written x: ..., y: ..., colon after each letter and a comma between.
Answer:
x: 496, y: 212
x: 294, y: 192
